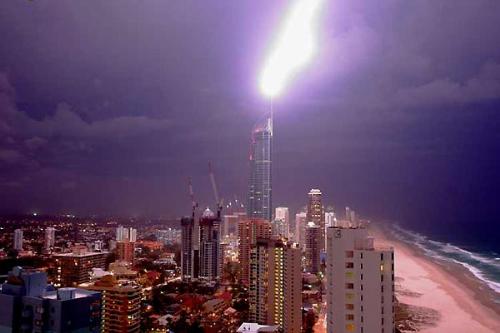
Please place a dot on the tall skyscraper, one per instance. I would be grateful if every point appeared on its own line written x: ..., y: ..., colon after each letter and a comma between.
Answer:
x: 360, y: 283
x: 210, y: 252
x: 276, y: 284
x: 312, y: 248
x: 18, y: 239
x: 249, y: 230
x: 50, y: 238
x: 121, y: 309
x: 259, y: 201
x: 315, y: 213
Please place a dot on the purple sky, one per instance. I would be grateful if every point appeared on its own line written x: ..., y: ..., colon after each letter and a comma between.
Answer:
x: 108, y: 107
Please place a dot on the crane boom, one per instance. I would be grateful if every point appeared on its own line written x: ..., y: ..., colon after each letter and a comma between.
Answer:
x: 194, y: 204
x: 214, y: 188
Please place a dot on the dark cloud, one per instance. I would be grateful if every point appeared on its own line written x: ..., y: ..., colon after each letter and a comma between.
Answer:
x: 108, y: 106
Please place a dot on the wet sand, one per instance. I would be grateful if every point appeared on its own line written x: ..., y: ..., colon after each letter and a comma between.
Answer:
x: 462, y: 302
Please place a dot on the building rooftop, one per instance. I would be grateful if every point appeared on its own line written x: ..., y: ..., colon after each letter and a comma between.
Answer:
x: 256, y: 328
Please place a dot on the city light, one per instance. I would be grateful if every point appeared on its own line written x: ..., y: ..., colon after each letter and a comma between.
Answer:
x: 295, y: 46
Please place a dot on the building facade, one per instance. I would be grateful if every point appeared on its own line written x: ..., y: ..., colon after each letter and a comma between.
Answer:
x: 249, y: 231
x: 18, y: 240
x: 276, y: 284
x: 300, y: 228
x: 360, y: 289
x: 312, y: 248
x: 121, y: 304
x: 210, y: 252
x: 29, y: 304
x: 315, y: 213
x: 50, y: 238
x: 125, y: 251
x: 259, y: 200
x: 187, y: 228
x: 75, y: 268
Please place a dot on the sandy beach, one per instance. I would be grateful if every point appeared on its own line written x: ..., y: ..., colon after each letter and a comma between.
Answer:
x: 446, y: 296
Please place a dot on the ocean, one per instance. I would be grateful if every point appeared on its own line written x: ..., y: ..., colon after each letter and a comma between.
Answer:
x: 484, y: 264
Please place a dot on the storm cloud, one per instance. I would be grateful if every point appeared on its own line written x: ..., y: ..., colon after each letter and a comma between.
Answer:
x: 109, y: 106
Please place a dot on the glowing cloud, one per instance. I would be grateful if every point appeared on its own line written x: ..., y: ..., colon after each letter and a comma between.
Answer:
x: 294, y: 48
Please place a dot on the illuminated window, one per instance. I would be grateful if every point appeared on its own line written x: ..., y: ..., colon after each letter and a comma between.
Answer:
x: 349, y: 327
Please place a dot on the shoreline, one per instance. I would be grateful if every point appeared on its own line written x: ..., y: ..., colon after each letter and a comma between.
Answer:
x: 464, y: 303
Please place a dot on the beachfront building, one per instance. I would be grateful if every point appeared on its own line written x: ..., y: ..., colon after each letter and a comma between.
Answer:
x: 360, y: 287
x: 275, y: 284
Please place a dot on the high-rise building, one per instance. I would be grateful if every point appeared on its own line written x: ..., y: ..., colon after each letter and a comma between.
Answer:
x: 276, y: 284
x: 360, y: 283
x: 75, y: 268
x: 279, y: 229
x: 121, y: 304
x: 259, y: 200
x: 210, y: 252
x: 312, y: 247
x: 18, y: 239
x: 125, y: 251
x: 132, y: 235
x: 50, y: 237
x: 187, y: 228
x: 249, y: 230
x: 126, y: 234
x: 330, y: 220
x: 29, y: 304
x: 300, y: 228
x: 282, y: 214
x: 315, y: 213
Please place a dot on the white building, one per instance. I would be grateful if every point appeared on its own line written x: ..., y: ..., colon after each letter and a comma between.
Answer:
x: 126, y: 234
x: 18, y: 239
x: 50, y: 237
x: 330, y: 221
x: 282, y: 214
x: 360, y: 287
x: 300, y: 228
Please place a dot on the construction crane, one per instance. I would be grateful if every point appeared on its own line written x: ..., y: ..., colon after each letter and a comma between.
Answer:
x: 218, y: 201
x: 194, y: 204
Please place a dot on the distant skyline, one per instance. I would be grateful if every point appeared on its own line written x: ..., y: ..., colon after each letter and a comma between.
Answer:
x: 108, y: 107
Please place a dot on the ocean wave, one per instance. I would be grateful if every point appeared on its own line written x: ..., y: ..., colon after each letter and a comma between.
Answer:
x: 485, y: 268
x: 480, y: 275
